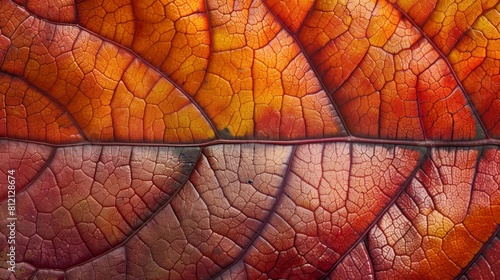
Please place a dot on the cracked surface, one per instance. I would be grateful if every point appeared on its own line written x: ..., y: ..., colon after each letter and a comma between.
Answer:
x: 248, y: 139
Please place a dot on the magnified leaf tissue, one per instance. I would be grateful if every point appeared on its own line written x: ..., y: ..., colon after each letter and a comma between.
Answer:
x: 249, y: 139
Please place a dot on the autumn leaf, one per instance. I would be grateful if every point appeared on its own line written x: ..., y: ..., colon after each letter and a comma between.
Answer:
x: 243, y: 139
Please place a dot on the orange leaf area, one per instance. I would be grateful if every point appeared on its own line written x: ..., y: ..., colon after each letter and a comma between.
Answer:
x: 387, y: 79
x: 172, y: 36
x: 476, y: 60
x: 250, y: 139
x: 110, y: 95
x: 259, y: 84
x: 25, y: 112
x: 240, y: 70
x: 291, y: 13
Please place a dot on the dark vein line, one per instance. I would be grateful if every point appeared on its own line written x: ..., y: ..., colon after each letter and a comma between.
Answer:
x: 470, y: 28
x: 350, y: 139
x: 418, y: 96
x: 33, y: 275
x: 483, y: 249
x: 426, y: 156
x: 379, y: 216
x: 77, y: 15
x: 210, y: 35
x: 452, y: 72
x: 366, y: 242
x: 126, y: 261
x: 52, y: 99
x: 311, y: 65
x: 265, y: 221
x: 39, y: 173
x: 481, y: 152
x: 91, y: 195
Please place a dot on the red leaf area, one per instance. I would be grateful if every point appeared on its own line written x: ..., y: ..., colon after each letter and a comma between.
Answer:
x: 241, y: 139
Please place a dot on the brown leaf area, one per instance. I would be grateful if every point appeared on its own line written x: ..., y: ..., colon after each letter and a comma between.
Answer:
x: 245, y: 139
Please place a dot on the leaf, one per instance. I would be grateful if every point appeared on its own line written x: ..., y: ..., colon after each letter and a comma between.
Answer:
x: 250, y: 139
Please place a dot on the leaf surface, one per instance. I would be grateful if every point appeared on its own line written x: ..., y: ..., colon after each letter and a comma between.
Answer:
x: 251, y: 139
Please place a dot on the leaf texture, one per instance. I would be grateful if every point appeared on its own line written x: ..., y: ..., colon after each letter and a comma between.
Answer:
x: 244, y: 139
